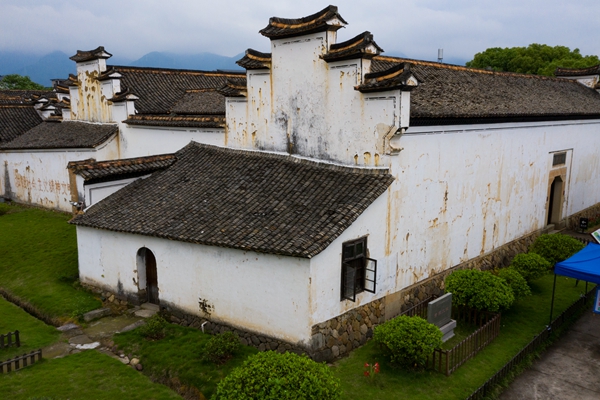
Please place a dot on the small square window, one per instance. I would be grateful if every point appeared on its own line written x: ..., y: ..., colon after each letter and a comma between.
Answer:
x: 559, y: 158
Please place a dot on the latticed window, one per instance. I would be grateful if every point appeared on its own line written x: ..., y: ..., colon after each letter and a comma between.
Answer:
x: 559, y: 158
x: 358, y: 271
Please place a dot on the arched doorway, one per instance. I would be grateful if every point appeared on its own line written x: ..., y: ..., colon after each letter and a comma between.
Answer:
x: 147, y: 276
x: 555, y: 201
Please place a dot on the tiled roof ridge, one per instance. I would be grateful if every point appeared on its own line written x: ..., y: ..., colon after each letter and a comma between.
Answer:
x: 197, y: 118
x: 466, y: 69
x: 124, y: 68
x: 254, y: 59
x: 15, y: 105
x: 362, y: 38
x: 93, y: 164
x: 285, y: 27
x: 293, y: 158
x: 593, y: 70
x: 87, y: 55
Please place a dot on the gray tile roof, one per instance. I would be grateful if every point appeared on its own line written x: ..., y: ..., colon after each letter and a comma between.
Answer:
x: 60, y: 135
x: 448, y: 92
x: 159, y: 89
x: 357, y: 47
x: 190, y: 121
x: 92, y: 170
x: 254, y: 201
x: 200, y: 102
x: 15, y: 120
x: 255, y: 60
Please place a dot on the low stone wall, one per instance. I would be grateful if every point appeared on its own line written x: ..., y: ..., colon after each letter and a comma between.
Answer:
x: 338, y: 336
x: 593, y: 213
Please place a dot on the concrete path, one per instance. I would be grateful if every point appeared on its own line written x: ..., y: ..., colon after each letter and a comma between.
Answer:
x: 568, y: 370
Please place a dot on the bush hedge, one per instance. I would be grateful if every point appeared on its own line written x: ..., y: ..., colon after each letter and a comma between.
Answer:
x: 154, y: 327
x: 480, y: 290
x: 515, y: 280
x: 408, y: 341
x: 220, y: 348
x: 556, y: 247
x: 531, y: 266
x: 274, y: 376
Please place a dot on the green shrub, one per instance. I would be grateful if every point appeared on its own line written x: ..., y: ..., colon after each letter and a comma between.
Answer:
x: 220, y: 348
x: 407, y: 340
x: 4, y: 208
x: 515, y: 280
x: 556, y: 247
x: 531, y: 266
x: 270, y: 375
x: 479, y: 290
x: 154, y: 327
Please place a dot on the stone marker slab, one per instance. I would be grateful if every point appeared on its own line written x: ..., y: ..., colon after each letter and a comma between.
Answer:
x: 99, y: 313
x: 439, y: 311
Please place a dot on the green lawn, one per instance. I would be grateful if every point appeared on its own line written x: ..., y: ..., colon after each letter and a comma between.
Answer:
x: 86, y: 375
x: 179, y: 355
x: 34, y: 334
x: 38, y: 262
x: 520, y: 324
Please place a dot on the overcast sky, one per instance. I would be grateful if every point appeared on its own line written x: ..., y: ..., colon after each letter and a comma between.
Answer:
x: 413, y: 28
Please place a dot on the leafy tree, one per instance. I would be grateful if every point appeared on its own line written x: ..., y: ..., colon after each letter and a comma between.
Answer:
x: 537, y: 59
x: 556, y: 247
x: 531, y: 266
x: 15, y: 81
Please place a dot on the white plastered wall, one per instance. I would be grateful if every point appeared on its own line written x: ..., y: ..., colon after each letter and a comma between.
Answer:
x: 257, y: 292
x: 137, y: 141
x: 41, y: 177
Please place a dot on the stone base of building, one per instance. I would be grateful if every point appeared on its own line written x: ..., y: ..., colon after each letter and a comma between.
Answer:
x: 338, y: 336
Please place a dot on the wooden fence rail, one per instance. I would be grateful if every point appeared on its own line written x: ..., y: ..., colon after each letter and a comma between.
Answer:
x: 19, y: 362
x: 447, y: 361
x: 486, y: 389
x: 8, y: 341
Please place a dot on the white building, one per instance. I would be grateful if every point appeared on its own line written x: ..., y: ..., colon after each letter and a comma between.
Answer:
x: 350, y: 184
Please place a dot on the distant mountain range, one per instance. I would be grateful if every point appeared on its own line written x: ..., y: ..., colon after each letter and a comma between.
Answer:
x: 42, y: 69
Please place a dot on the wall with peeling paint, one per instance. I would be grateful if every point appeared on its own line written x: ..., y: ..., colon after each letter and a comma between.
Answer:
x: 306, y: 106
x: 41, y: 178
x: 460, y: 192
x: 145, y: 141
x: 89, y: 100
x: 260, y: 292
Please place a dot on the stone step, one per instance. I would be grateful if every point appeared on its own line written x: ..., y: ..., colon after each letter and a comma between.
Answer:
x: 99, y: 313
x: 151, y: 307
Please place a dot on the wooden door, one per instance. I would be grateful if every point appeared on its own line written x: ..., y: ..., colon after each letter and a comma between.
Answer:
x: 151, y: 278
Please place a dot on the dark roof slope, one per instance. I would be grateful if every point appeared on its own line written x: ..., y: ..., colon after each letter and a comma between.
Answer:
x: 448, y: 92
x: 60, y: 135
x: 254, y: 201
x: 280, y: 28
x: 360, y: 46
x: 16, y: 96
x: 15, y: 120
x: 595, y: 70
x: 200, y: 102
x: 92, y: 170
x: 255, y: 60
x: 160, y: 89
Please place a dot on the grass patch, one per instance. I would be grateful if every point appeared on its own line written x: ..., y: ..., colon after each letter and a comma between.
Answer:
x: 34, y: 334
x: 179, y: 354
x: 38, y: 263
x: 520, y: 324
x: 86, y: 375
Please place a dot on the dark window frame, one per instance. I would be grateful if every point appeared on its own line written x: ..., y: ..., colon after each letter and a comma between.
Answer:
x: 359, y: 272
x: 559, y: 158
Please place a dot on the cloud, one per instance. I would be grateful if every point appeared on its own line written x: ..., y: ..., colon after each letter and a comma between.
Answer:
x: 416, y: 28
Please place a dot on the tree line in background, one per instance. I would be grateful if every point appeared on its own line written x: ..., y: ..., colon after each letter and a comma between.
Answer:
x: 537, y: 59
x: 15, y: 81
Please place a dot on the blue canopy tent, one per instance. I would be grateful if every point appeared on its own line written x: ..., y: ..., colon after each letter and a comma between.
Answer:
x: 583, y: 265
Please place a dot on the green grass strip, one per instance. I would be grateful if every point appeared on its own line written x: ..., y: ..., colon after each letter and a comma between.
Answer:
x: 520, y: 324
x: 86, y: 375
x: 34, y: 334
x: 38, y: 264
x: 179, y: 355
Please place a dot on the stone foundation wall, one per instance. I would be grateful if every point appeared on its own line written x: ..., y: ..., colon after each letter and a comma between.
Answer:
x: 338, y: 336
x: 593, y: 213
